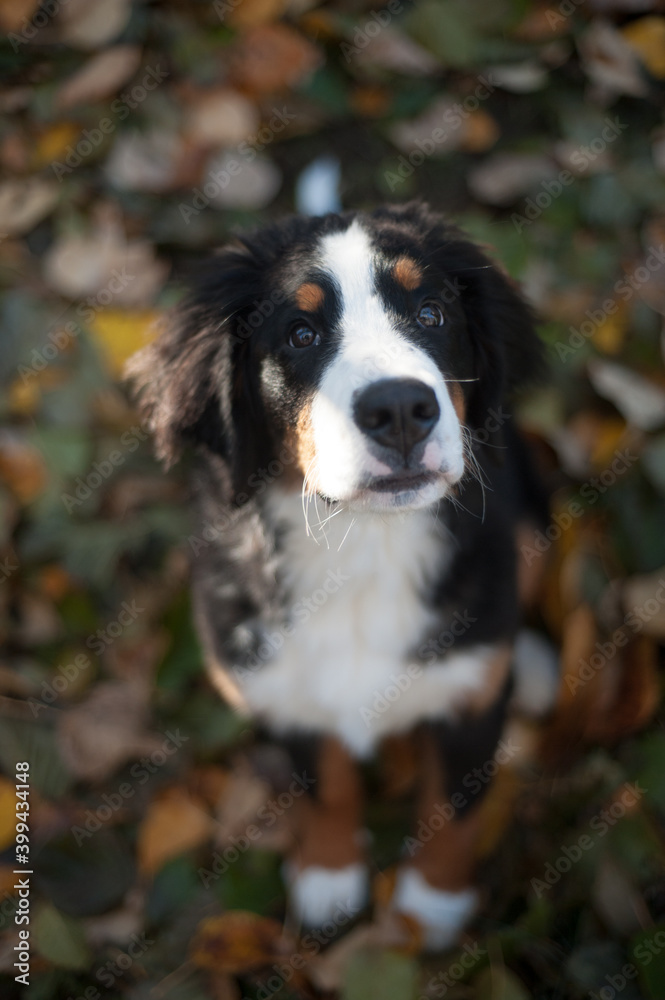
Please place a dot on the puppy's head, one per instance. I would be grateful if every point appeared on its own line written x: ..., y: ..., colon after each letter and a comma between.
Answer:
x: 357, y: 353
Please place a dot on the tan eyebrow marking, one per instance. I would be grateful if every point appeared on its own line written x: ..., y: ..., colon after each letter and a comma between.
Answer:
x: 457, y: 399
x: 309, y: 297
x: 407, y: 273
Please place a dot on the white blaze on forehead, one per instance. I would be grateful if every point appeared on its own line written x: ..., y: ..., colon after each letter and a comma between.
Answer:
x: 371, y: 348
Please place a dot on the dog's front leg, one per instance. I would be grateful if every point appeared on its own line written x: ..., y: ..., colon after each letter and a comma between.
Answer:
x: 326, y: 871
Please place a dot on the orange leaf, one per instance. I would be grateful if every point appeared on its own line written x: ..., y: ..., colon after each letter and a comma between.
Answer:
x: 646, y: 36
x: 238, y: 941
x: 273, y: 57
x: 174, y: 823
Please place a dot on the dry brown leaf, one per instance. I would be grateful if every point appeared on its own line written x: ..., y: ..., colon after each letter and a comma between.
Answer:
x: 639, y: 400
x: 253, y: 187
x: 38, y: 621
x: 221, y: 118
x: 249, y: 13
x: 115, y: 271
x: 146, y: 161
x: 244, y: 794
x: 646, y: 37
x: 24, y: 203
x: 7, y: 813
x: 638, y: 598
x: 22, y: 467
x: 88, y: 24
x: 505, y: 177
x: 100, y: 77
x: 239, y: 941
x: 174, y: 823
x: 273, y: 57
x: 107, y: 729
x: 14, y: 13
x: 610, y: 62
x: 391, y: 49
x: 617, y: 901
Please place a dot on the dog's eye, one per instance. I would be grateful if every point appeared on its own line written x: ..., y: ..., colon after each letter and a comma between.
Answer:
x: 303, y: 336
x: 430, y: 314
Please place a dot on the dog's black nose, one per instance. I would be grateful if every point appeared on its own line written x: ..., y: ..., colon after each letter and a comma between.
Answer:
x: 397, y: 412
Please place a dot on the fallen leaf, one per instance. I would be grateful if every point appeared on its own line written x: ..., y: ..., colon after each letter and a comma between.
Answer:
x: 640, y: 401
x: 59, y: 938
x: 638, y: 596
x: 393, y: 50
x: 87, y: 24
x: 7, y: 813
x: 221, y: 118
x: 616, y: 899
x: 14, y: 13
x: 646, y: 37
x: 239, y: 941
x: 519, y: 78
x: 440, y: 130
x: 145, y: 161
x: 253, y: 187
x: 54, y: 142
x: 100, y: 77
x: 249, y: 13
x: 106, y: 266
x: 107, y: 729
x: 120, y: 333
x: 24, y: 203
x: 22, y: 467
x: 504, y: 177
x: 498, y: 983
x: 174, y: 823
x: 273, y: 57
x: 610, y: 62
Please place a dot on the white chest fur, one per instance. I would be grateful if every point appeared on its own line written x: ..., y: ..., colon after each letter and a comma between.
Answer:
x: 341, y: 665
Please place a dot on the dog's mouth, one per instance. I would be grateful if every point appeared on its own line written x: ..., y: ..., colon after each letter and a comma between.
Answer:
x: 406, y: 482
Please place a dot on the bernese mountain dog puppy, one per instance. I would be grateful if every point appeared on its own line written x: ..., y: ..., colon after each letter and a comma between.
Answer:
x: 345, y: 382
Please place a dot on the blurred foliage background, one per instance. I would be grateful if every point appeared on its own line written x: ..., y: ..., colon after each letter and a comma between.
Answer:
x: 137, y: 136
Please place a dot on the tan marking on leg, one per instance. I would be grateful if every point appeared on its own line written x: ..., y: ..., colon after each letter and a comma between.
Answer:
x: 496, y: 677
x: 309, y: 297
x: 328, y: 824
x: 407, y: 273
x: 457, y: 399
x: 447, y: 860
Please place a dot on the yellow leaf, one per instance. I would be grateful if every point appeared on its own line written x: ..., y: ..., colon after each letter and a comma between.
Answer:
x: 7, y: 813
x: 120, y: 333
x: 54, y: 142
x: 174, y: 823
x: 609, y: 335
x: 480, y: 132
x: 238, y: 941
x: 646, y: 36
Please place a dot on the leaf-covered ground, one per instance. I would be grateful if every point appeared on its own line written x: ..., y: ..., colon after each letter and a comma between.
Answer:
x: 134, y: 137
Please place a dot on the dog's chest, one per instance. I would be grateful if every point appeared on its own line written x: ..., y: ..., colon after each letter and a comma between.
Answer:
x: 356, y: 609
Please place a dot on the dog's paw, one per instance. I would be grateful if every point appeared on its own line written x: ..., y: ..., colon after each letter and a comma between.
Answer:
x: 442, y: 915
x: 318, y: 895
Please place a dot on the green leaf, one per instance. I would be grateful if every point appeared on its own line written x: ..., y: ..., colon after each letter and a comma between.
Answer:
x: 60, y: 939
x: 648, y: 953
x: 380, y: 975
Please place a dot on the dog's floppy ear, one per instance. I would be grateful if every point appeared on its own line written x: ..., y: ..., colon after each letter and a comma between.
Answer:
x: 189, y: 382
x: 502, y: 327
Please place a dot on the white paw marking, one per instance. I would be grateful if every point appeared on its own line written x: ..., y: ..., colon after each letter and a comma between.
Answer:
x: 441, y: 914
x: 318, y: 894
